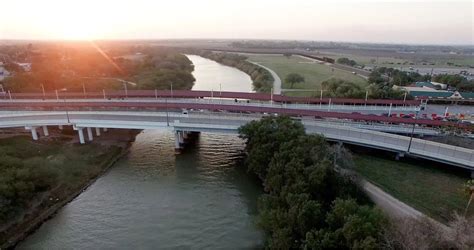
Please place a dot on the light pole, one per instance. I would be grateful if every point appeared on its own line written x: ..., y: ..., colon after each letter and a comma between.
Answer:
x: 65, y: 104
x: 125, y: 88
x: 171, y: 87
x: 84, y: 90
x: 167, y: 116
x: 413, y: 131
x: 220, y: 93
x: 44, y: 94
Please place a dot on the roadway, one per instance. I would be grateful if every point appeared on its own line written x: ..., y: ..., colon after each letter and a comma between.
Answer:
x: 229, y: 123
x: 346, y: 112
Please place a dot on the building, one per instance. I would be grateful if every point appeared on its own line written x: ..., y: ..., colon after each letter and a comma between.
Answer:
x: 25, y: 66
x: 433, y: 85
x: 3, y: 73
x: 427, y: 90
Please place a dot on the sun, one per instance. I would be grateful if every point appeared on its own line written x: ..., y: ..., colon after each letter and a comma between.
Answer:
x: 77, y: 22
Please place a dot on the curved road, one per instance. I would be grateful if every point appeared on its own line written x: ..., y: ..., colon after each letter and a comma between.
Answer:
x: 276, y: 81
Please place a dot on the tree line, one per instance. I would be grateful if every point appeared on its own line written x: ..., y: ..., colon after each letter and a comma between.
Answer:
x: 307, y: 204
x: 72, y: 66
x: 312, y: 198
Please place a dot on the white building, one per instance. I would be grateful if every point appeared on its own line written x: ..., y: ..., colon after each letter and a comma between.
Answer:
x: 3, y: 73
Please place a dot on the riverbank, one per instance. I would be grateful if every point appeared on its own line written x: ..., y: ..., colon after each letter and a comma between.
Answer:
x: 77, y: 165
x: 433, y: 189
x: 262, y: 78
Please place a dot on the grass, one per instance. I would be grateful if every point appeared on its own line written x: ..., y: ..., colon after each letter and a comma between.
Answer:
x: 74, y: 163
x: 409, y: 61
x: 314, y: 73
x: 432, y: 190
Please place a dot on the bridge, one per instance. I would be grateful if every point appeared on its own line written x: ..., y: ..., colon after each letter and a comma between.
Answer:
x: 226, y: 116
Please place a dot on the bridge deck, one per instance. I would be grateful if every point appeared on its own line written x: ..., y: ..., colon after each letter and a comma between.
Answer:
x: 228, y: 123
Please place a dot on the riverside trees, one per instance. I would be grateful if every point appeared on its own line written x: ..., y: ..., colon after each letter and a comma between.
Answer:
x: 306, y: 204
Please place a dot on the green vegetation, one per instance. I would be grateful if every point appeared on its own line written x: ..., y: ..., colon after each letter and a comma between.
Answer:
x: 313, y: 72
x: 342, y: 89
x: 455, y: 81
x: 161, y: 68
x: 307, y: 204
x: 97, y: 67
x: 434, y: 191
x: 396, y: 77
x: 36, y: 175
x: 346, y: 61
x: 293, y: 78
x: 262, y: 79
x: 409, y: 60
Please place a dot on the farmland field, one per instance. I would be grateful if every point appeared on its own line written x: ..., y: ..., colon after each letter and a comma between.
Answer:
x: 313, y: 72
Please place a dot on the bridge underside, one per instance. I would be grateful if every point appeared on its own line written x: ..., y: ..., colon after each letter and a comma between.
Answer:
x: 184, y: 124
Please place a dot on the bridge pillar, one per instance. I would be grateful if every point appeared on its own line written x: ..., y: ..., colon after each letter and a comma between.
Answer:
x: 60, y: 127
x: 185, y: 135
x: 97, y: 131
x: 89, y: 134
x: 34, y: 133
x: 399, y: 155
x: 81, y: 135
x: 177, y: 142
x: 45, y: 131
x: 105, y: 129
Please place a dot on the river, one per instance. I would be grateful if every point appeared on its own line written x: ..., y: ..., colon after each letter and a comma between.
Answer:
x: 211, y: 75
x: 153, y: 198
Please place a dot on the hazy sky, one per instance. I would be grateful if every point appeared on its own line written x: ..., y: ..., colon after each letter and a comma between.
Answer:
x: 396, y: 21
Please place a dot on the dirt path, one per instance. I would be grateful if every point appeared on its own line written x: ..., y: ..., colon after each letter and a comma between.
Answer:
x: 396, y: 208
x: 388, y: 203
x: 276, y: 81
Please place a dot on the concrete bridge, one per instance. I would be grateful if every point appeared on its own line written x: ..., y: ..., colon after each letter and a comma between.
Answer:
x: 218, y: 122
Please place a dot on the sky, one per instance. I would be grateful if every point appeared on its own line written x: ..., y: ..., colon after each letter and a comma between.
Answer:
x: 376, y: 21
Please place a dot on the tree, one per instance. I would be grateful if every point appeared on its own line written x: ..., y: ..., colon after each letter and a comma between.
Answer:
x: 293, y: 78
x: 303, y: 189
x: 469, y: 190
x: 346, y: 61
x: 343, y: 89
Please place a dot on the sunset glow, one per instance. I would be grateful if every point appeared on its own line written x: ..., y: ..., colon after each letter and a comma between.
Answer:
x: 341, y: 20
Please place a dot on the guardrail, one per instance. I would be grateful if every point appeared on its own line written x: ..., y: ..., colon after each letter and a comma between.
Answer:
x: 214, y: 122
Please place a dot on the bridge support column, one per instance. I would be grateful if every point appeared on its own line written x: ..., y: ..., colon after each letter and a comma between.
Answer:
x: 45, y: 131
x: 60, y: 127
x: 177, y: 142
x: 185, y: 135
x: 105, y: 130
x: 89, y: 134
x: 34, y: 133
x: 399, y: 155
x: 81, y: 135
x: 97, y: 131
